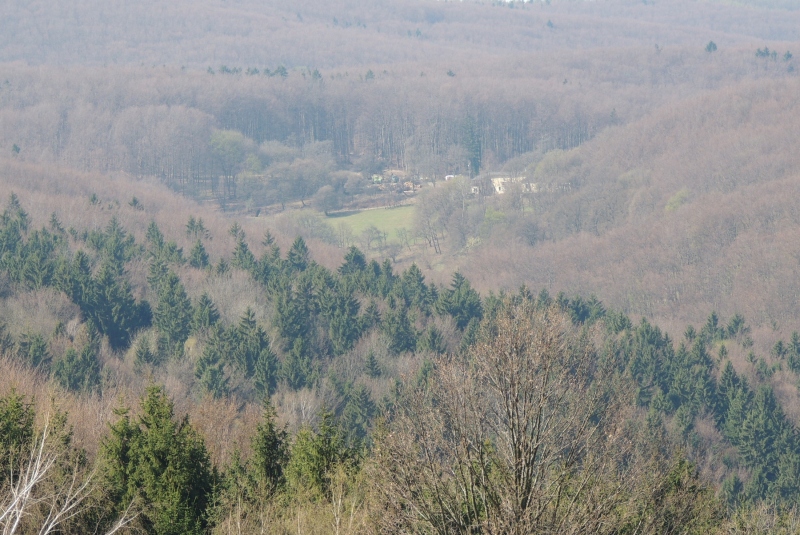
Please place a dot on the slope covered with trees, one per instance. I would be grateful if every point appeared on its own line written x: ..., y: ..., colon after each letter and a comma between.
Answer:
x: 376, y: 391
x: 255, y: 34
x: 589, y: 326
x: 688, y: 209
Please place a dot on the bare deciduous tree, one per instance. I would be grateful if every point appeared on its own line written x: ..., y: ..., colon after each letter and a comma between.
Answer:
x: 33, y: 502
x: 527, y: 433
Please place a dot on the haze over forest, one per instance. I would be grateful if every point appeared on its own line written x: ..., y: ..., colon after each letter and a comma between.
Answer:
x: 341, y: 206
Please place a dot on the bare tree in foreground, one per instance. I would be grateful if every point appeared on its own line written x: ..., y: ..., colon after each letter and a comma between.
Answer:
x: 32, y: 501
x: 524, y: 434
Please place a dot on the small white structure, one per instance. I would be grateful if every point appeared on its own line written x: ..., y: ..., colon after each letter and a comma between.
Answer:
x: 500, y: 183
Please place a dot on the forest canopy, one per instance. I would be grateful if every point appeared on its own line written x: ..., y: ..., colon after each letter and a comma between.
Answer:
x: 403, y: 266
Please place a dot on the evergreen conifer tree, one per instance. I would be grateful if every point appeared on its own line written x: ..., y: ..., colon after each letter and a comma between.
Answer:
x: 399, y: 330
x: 357, y: 416
x: 297, y: 257
x: 371, y: 317
x: 210, y: 373
x: 173, y: 314
x: 386, y: 278
x: 210, y: 367
x: 79, y: 372
x: 270, y: 452
x: 205, y: 314
x: 354, y: 262
x: 296, y: 366
x: 162, y: 464
x: 470, y: 334
x: 431, y: 340
x: 16, y: 431
x: 157, y: 274
x: 32, y: 350
x: 460, y: 301
x: 293, y: 312
x: 249, y: 340
x: 726, y: 389
x: 266, y: 373
x: 114, y: 310
x: 242, y: 257
x: 154, y: 238
x: 415, y: 291
x: 143, y: 355
x: 314, y: 455
x: 343, y: 322
x: 372, y: 367
x: 198, y: 257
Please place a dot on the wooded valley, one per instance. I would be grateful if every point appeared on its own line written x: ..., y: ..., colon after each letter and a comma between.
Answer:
x: 402, y: 266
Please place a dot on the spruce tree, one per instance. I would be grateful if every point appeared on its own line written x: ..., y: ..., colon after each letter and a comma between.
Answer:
x: 32, y: 350
x: 371, y: 317
x: 794, y: 353
x: 157, y: 274
x: 173, y: 314
x: 314, y: 455
x: 248, y: 342
x: 205, y: 314
x: 242, y: 257
x: 195, y: 229
x: 297, y: 257
x: 415, y: 291
x: 357, y: 416
x: 79, y: 372
x: 431, y: 340
x: 268, y: 240
x: 399, y: 331
x: 154, y: 238
x: 387, y: 278
x: 726, y: 389
x: 270, y: 452
x: 372, y: 367
x: 114, y: 310
x: 296, y: 366
x: 354, y: 262
x: 210, y: 373
x: 470, y: 334
x: 460, y: 301
x: 198, y: 257
x: 115, y: 245
x: 162, y: 464
x: 143, y: 355
x: 266, y: 373
x: 210, y: 368
x: 16, y: 431
x: 293, y: 312
x: 75, y: 279
x: 343, y: 322
x: 758, y: 438
x: 372, y: 277
x: 738, y: 407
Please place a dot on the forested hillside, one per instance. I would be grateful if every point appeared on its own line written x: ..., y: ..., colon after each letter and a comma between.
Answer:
x: 355, y: 369
x: 351, y: 33
x: 399, y: 267
x: 690, y: 208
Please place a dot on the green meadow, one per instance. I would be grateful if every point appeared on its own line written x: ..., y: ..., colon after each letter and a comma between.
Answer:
x: 387, y: 220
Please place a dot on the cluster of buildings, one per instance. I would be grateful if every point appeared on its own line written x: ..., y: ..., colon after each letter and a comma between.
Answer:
x: 500, y: 183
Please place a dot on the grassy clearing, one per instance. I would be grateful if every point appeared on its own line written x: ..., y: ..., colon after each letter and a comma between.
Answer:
x: 387, y: 220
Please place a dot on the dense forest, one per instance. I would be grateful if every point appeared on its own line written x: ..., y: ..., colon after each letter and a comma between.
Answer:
x: 399, y: 267
x: 373, y: 373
